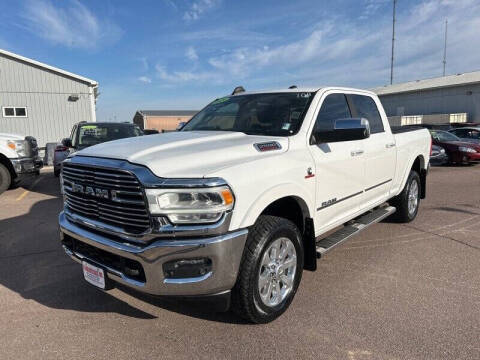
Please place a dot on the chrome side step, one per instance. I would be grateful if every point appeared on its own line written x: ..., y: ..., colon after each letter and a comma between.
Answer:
x: 352, y: 228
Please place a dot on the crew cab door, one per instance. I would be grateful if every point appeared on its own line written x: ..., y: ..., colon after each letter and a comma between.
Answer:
x: 340, y: 166
x: 380, y: 152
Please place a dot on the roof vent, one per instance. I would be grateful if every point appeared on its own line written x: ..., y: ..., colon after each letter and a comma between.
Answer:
x: 292, y: 87
x: 238, y: 90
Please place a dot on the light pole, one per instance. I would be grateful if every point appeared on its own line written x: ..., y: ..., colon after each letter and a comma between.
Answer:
x: 393, y: 41
x: 445, y: 48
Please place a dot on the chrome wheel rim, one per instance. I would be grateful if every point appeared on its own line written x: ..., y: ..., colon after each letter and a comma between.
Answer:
x: 277, y: 272
x: 413, y: 197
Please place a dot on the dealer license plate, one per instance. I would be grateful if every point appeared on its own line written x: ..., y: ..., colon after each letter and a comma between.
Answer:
x: 94, y: 275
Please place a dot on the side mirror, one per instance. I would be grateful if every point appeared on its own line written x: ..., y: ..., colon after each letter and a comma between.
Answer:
x: 67, y: 142
x: 150, y: 132
x: 180, y: 125
x: 343, y: 130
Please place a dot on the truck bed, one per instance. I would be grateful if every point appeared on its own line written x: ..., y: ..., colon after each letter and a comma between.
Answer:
x: 406, y: 128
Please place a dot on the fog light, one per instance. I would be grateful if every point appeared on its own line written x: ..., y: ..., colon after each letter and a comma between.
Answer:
x: 187, y: 268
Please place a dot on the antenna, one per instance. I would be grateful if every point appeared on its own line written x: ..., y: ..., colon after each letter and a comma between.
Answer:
x: 445, y: 48
x: 393, y: 41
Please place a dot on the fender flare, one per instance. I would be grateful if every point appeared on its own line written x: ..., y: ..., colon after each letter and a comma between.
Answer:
x: 422, y: 174
x: 273, y: 194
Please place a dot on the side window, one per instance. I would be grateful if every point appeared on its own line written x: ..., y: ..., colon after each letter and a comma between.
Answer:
x: 475, y: 134
x: 334, y: 107
x: 365, y: 107
x: 461, y: 133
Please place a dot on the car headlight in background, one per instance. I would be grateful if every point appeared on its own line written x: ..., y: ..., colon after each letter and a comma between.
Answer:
x: 190, y: 206
x: 19, y: 146
x: 466, y: 149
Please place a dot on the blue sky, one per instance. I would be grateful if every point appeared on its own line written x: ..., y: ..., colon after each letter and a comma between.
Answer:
x: 181, y: 54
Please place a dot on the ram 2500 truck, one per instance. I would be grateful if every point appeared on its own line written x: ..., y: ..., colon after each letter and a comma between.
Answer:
x: 18, y: 159
x: 240, y: 201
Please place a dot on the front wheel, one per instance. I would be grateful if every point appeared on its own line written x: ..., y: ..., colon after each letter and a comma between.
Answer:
x: 270, y: 271
x: 408, y: 201
x: 5, y: 178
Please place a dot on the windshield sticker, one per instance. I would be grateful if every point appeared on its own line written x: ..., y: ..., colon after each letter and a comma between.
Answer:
x: 304, y: 95
x: 286, y: 126
x: 221, y: 100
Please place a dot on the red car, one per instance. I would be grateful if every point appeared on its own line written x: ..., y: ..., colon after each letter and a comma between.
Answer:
x: 458, y: 151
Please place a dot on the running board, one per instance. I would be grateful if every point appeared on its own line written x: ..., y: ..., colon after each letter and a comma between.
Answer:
x: 352, y: 228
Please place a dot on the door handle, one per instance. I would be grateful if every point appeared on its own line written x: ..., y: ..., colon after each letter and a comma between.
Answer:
x: 388, y: 146
x: 356, y: 152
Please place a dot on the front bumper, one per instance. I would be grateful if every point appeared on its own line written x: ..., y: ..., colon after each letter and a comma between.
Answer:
x: 225, y: 252
x: 26, y: 166
x: 473, y: 156
x: 439, y: 159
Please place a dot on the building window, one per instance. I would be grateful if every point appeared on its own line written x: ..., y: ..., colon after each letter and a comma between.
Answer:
x: 412, y: 120
x: 458, y: 118
x: 10, y: 111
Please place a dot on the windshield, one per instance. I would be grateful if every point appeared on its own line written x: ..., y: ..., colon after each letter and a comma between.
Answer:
x: 273, y: 114
x: 89, y: 135
x: 443, y: 136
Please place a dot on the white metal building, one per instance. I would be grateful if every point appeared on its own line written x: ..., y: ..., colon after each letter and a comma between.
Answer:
x: 42, y: 101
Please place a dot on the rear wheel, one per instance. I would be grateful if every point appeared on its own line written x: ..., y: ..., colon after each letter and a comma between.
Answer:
x: 270, y: 271
x: 408, y: 201
x: 5, y: 178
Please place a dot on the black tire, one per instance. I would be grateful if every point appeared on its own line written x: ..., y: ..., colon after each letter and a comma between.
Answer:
x: 403, y: 214
x: 246, y: 301
x: 5, y: 178
x: 56, y: 172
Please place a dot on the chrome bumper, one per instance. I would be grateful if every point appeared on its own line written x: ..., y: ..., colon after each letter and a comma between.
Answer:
x: 26, y: 166
x: 225, y: 252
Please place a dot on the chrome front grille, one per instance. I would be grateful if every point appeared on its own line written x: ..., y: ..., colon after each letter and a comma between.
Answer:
x: 111, y: 197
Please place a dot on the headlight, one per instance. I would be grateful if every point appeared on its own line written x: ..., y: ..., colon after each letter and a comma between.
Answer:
x: 18, y: 146
x: 466, y: 149
x: 182, y: 206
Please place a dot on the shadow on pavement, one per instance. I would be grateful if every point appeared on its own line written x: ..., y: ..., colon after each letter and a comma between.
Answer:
x: 34, y: 265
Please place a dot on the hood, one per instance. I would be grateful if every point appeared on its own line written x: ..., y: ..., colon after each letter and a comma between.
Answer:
x: 5, y: 136
x: 187, y: 153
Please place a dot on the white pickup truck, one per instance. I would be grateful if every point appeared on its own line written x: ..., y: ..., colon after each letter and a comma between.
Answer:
x: 238, y: 203
x: 18, y: 159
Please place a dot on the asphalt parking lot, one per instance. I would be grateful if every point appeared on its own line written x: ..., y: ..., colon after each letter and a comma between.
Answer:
x: 397, y: 291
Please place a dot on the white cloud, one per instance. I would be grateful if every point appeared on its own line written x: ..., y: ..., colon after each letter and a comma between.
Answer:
x: 145, y: 79
x: 73, y: 26
x: 191, y: 53
x: 372, y: 6
x: 186, y: 76
x: 171, y: 4
x: 199, y: 7
x: 354, y: 54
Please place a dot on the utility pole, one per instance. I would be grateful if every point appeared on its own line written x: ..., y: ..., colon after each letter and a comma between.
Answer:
x: 393, y: 41
x: 445, y: 48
